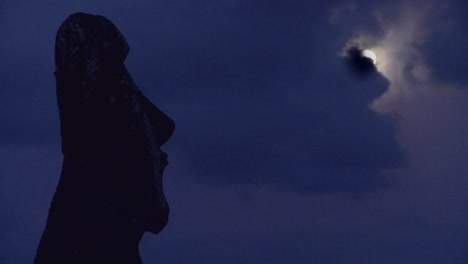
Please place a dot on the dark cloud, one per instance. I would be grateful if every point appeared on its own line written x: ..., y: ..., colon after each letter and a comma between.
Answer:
x: 283, y: 111
x: 261, y: 96
x: 358, y: 63
x: 306, y: 137
x: 324, y: 247
x: 446, y: 49
x: 28, y: 176
x: 258, y: 92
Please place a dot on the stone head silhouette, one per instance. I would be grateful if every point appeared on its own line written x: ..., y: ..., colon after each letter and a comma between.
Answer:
x: 110, y: 190
x: 87, y: 42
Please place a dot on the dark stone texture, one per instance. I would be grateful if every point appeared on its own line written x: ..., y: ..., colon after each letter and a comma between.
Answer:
x: 110, y: 190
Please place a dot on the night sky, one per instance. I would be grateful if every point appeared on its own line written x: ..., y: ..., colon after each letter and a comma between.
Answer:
x: 282, y: 153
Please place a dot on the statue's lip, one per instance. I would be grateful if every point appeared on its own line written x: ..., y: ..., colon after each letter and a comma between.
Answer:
x: 164, y: 157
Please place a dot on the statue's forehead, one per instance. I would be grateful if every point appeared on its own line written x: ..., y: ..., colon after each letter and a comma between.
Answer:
x: 87, y: 25
x: 86, y: 35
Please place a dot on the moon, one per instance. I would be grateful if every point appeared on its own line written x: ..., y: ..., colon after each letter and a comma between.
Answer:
x: 370, y: 54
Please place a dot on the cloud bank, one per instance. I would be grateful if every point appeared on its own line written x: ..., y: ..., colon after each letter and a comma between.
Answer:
x: 259, y: 93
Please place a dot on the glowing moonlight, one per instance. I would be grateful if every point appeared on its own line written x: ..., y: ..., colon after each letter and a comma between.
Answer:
x: 370, y: 54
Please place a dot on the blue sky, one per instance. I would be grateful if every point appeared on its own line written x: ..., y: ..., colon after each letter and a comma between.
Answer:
x: 281, y: 153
